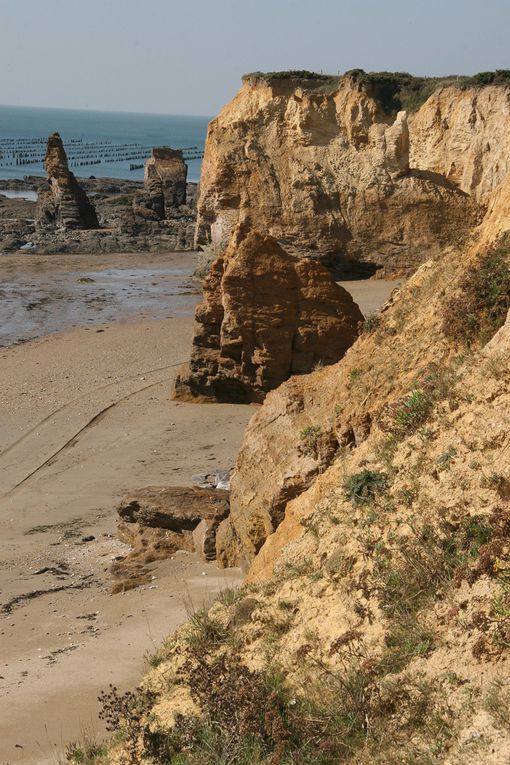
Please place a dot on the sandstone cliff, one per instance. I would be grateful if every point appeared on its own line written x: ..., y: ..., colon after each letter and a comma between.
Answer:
x: 63, y: 204
x: 332, y: 174
x: 264, y: 317
x: 374, y: 624
x: 371, y: 504
x: 341, y: 404
x: 464, y: 136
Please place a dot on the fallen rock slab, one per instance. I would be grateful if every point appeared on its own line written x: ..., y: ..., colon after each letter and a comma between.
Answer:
x: 158, y: 520
x: 177, y: 508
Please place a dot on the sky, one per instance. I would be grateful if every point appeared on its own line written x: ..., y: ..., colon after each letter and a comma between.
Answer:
x: 188, y: 56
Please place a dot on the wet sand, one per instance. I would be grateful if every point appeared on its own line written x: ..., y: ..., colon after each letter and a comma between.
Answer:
x: 84, y: 418
x: 40, y: 295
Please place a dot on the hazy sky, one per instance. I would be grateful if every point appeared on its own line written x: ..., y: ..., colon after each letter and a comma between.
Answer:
x: 187, y: 57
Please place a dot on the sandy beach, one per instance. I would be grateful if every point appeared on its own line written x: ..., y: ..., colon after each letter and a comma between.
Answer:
x: 85, y: 417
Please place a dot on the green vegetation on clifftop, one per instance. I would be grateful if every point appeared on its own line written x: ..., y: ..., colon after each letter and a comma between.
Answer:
x: 393, y: 90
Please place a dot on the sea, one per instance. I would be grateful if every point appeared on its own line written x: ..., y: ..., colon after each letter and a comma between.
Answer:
x: 113, y: 141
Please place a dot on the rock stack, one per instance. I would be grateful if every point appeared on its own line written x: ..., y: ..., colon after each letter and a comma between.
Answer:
x: 62, y: 204
x: 265, y: 316
x: 164, y: 184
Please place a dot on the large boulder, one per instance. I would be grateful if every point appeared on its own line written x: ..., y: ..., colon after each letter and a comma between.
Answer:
x: 265, y: 316
x: 62, y: 204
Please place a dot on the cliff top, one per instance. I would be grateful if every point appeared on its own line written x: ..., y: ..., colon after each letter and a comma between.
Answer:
x: 393, y: 90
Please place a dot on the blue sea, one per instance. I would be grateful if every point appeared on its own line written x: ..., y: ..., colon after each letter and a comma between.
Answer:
x: 109, y: 131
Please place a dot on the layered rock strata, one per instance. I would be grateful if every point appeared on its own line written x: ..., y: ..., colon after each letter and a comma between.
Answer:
x: 164, y: 184
x: 264, y: 317
x: 330, y: 174
x: 62, y: 204
x: 157, y: 521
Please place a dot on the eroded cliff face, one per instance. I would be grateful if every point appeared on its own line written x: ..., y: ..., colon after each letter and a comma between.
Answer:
x: 464, y: 135
x: 330, y: 175
x: 405, y: 349
x: 374, y: 624
x: 264, y: 317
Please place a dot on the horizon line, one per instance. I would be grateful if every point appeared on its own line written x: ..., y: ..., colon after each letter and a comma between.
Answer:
x: 103, y: 111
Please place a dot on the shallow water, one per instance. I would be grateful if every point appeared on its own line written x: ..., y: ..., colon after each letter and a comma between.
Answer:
x: 30, y: 195
x: 36, y: 304
x: 116, y: 128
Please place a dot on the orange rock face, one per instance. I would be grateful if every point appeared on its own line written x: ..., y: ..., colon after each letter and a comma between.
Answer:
x: 264, y: 317
x: 328, y: 174
x: 464, y: 135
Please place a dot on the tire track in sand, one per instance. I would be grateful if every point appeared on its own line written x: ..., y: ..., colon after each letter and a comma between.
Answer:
x: 60, y: 429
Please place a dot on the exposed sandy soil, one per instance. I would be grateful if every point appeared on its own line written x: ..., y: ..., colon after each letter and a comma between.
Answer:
x: 84, y: 418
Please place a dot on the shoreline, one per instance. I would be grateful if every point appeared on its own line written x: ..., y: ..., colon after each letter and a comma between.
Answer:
x: 46, y: 294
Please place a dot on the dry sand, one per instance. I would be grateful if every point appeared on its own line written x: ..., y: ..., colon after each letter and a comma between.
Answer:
x: 84, y: 418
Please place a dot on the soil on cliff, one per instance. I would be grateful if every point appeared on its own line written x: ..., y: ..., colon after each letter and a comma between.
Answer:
x: 374, y: 623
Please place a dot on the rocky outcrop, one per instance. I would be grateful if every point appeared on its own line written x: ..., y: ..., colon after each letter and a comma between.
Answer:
x: 408, y: 348
x: 63, y: 204
x: 164, y: 185
x: 158, y: 521
x: 119, y: 230
x: 264, y: 317
x: 326, y: 173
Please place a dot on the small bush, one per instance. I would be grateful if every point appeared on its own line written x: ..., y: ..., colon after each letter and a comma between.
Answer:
x: 473, y: 316
x: 124, y: 714
x: 86, y: 752
x: 497, y: 703
x: 310, y: 437
x: 371, y: 323
x: 409, y: 413
x: 154, y: 659
x: 406, y: 639
x: 204, y: 632
x: 365, y: 486
x: 446, y: 457
x: 426, y: 561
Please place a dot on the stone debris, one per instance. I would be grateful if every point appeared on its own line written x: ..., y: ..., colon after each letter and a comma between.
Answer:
x: 156, y: 522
